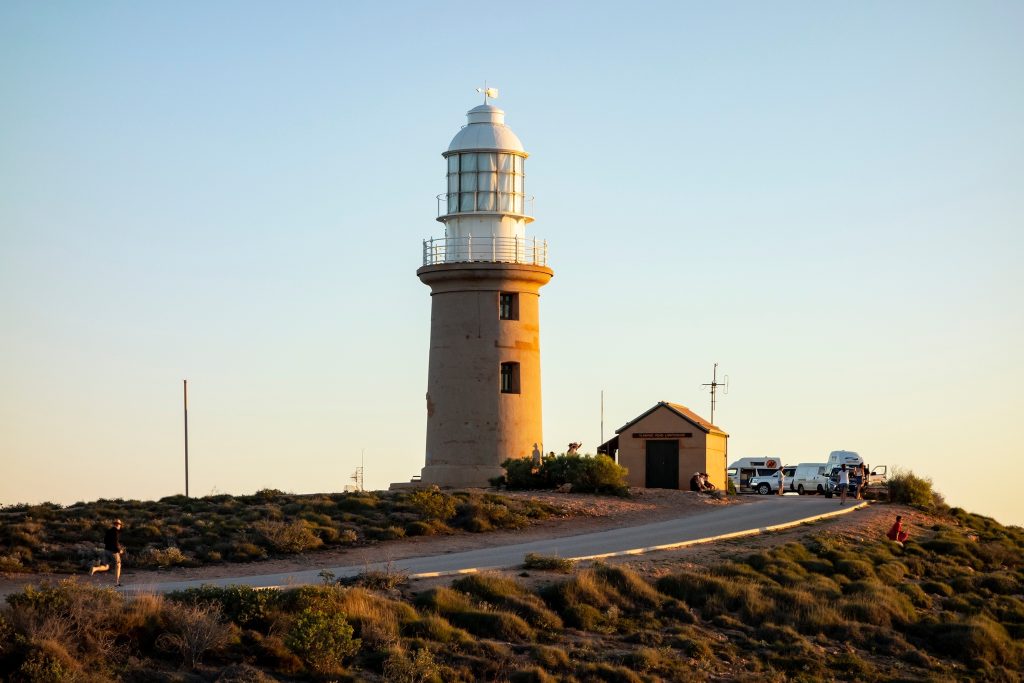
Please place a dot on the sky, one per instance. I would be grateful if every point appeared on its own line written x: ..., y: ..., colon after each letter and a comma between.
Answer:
x: 827, y: 199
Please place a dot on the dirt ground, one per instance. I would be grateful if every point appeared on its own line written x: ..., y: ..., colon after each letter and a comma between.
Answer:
x: 585, y: 513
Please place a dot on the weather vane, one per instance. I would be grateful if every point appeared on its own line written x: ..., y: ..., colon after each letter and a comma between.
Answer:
x: 488, y: 92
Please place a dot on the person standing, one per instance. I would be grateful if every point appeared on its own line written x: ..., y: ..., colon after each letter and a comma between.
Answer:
x: 782, y: 483
x: 844, y: 483
x: 113, y: 551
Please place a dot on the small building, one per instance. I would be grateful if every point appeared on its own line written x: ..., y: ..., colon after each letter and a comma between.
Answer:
x: 663, y: 447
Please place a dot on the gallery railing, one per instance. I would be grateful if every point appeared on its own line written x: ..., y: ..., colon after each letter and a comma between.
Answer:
x: 529, y: 250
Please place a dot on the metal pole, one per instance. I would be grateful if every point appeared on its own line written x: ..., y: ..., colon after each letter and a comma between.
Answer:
x: 185, y: 397
x: 602, y: 416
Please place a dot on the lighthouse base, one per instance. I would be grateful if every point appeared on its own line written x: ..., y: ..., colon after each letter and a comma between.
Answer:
x: 460, y: 476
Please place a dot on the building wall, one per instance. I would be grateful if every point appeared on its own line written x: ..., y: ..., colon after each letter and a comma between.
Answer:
x: 472, y: 427
x: 700, y: 452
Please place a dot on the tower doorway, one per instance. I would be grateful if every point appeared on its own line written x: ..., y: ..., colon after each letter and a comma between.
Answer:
x: 662, y: 464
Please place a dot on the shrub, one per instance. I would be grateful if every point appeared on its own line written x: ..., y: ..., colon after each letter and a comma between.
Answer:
x: 323, y: 640
x: 166, y: 557
x: 548, y: 563
x: 585, y: 473
x: 288, y: 537
x: 193, y: 630
x: 244, y: 605
x: 432, y: 504
x: 400, y: 667
x: 907, y: 488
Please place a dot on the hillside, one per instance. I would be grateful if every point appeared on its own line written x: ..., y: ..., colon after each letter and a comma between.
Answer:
x: 832, y: 600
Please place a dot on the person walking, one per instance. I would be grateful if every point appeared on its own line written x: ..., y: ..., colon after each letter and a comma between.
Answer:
x: 844, y: 483
x: 113, y: 551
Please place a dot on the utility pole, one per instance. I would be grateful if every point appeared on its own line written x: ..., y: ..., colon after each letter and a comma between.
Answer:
x: 714, y: 387
x: 602, y: 418
x: 185, y: 398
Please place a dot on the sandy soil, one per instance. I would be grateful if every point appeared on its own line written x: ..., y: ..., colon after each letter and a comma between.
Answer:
x: 584, y: 513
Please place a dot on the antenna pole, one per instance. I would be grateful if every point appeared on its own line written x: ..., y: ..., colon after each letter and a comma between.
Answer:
x: 185, y: 402
x: 602, y: 416
x: 714, y: 387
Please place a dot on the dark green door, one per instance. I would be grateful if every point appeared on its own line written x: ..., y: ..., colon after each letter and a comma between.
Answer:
x: 663, y: 464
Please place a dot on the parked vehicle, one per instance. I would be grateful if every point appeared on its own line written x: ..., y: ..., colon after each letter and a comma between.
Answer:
x: 809, y: 478
x: 849, y: 458
x: 764, y: 481
x: 876, y: 477
x: 741, y: 471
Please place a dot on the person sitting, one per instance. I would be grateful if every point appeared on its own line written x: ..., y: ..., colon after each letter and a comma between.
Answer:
x: 705, y: 483
x: 896, y: 533
x: 695, y: 484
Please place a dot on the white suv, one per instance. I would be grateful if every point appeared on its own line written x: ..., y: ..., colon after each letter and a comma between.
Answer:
x: 766, y: 481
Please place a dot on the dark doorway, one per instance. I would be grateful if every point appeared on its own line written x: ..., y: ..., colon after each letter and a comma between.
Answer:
x: 662, y: 464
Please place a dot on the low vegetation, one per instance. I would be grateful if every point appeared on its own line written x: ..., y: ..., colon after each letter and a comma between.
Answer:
x: 180, y: 531
x: 948, y: 605
x: 579, y: 473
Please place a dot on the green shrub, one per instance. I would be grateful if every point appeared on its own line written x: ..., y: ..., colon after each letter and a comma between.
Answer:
x: 432, y: 504
x: 244, y: 605
x: 585, y: 473
x: 548, y: 563
x: 909, y: 489
x: 322, y: 639
x: 161, y: 557
x: 403, y: 667
x: 288, y: 537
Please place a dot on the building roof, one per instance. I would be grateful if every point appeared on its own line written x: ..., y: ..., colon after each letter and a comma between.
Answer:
x: 486, y: 130
x: 680, y: 410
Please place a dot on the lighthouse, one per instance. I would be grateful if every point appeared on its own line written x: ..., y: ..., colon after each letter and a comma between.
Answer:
x: 485, y: 274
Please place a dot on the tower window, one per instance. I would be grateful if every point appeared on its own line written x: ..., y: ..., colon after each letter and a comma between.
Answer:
x: 510, y: 378
x: 508, y: 306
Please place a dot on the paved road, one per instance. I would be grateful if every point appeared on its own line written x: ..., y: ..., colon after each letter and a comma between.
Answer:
x: 761, y: 515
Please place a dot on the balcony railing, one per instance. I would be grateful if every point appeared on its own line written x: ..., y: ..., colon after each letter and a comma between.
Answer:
x: 530, y: 250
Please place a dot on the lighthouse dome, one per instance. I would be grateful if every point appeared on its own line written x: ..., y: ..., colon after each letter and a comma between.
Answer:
x: 486, y: 130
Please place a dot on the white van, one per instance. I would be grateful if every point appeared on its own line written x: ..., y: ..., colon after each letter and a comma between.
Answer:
x: 741, y: 471
x: 839, y: 458
x: 809, y: 478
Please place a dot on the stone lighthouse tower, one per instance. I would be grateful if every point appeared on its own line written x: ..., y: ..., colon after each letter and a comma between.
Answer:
x: 485, y: 275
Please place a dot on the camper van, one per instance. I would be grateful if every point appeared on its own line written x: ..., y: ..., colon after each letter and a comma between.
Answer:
x: 741, y: 471
x: 809, y: 478
x: 840, y: 458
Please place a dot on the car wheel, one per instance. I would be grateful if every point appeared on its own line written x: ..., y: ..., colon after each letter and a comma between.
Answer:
x: 764, y: 489
x: 821, y: 489
x: 800, y: 489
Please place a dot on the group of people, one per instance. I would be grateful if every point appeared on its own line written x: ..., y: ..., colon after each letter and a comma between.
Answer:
x: 699, y: 482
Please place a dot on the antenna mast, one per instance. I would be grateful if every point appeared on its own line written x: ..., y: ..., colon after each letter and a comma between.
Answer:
x: 357, y: 477
x: 714, y: 387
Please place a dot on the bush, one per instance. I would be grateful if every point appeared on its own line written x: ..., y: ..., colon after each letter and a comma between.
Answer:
x: 193, y: 630
x: 166, y: 557
x: 244, y: 605
x: 288, y: 537
x: 548, y: 563
x: 323, y: 640
x: 908, y: 489
x: 433, y: 504
x: 585, y: 473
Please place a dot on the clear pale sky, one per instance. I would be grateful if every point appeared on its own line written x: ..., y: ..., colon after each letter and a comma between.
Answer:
x: 825, y: 198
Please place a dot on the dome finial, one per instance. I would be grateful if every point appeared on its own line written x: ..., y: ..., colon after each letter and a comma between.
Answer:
x: 488, y: 92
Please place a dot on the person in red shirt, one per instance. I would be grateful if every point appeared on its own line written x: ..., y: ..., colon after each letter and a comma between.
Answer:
x: 896, y: 533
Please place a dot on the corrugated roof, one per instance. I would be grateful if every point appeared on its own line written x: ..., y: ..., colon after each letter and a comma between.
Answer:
x: 680, y: 410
